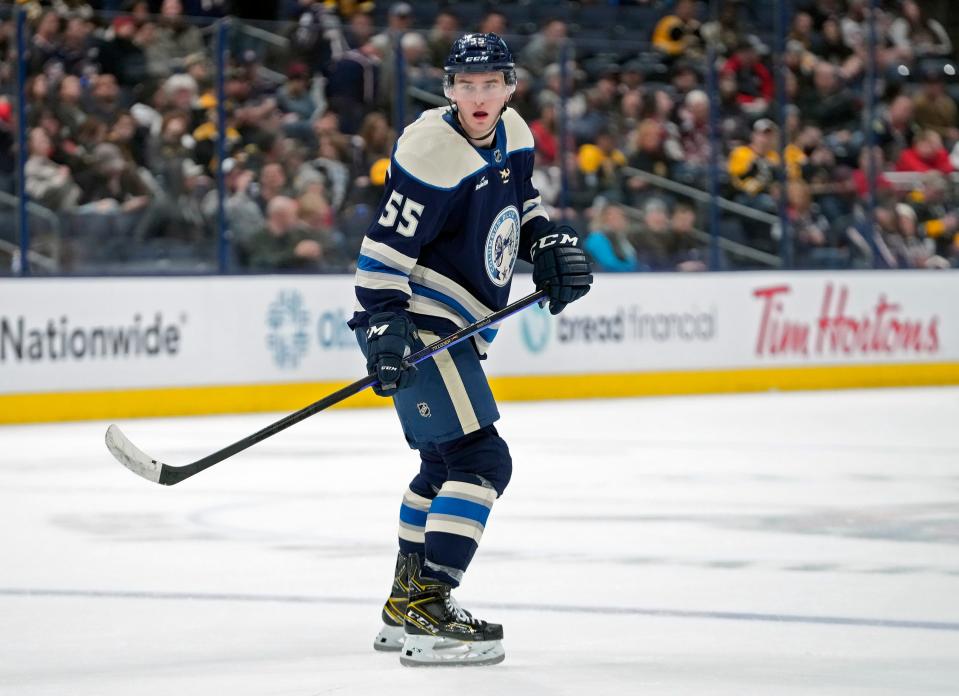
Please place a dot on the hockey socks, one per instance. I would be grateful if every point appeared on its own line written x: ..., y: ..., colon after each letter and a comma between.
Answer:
x: 454, y: 527
x: 412, y: 531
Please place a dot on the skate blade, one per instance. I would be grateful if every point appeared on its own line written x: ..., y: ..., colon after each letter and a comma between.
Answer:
x: 392, y: 638
x: 389, y: 639
x: 422, y: 651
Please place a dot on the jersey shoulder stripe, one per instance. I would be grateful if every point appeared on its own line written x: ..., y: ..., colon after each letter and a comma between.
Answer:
x: 518, y: 135
x: 430, y: 151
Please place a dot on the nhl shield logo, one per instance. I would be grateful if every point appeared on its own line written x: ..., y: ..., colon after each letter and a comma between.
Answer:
x: 502, y: 244
x: 424, y: 409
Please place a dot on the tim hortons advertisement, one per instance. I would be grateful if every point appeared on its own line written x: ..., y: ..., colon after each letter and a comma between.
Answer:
x: 864, y: 318
x: 884, y: 328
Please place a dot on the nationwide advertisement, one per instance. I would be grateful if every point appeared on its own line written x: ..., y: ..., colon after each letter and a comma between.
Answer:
x: 117, y: 333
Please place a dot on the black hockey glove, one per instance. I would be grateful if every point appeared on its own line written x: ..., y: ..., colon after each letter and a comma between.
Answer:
x: 561, y: 268
x: 389, y: 339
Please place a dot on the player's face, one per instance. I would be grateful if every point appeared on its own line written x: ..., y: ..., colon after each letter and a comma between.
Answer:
x: 480, y: 98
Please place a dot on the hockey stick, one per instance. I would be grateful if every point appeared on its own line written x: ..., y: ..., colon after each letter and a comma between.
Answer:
x: 149, y: 468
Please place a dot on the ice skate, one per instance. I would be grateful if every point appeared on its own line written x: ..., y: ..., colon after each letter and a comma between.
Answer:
x: 432, y: 615
x: 393, y: 633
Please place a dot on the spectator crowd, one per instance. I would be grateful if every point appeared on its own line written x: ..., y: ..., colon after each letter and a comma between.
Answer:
x: 633, y: 126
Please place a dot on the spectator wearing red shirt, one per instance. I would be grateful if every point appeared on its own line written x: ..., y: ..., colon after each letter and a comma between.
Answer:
x: 544, y: 135
x: 755, y: 82
x: 926, y: 154
x: 860, y: 177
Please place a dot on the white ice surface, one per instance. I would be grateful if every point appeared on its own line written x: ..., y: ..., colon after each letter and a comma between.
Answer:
x: 759, y: 544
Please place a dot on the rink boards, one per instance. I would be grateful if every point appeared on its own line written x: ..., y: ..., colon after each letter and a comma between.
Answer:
x: 111, y: 348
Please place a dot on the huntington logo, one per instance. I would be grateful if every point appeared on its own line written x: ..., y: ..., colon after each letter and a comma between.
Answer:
x: 535, y: 328
x: 287, y: 321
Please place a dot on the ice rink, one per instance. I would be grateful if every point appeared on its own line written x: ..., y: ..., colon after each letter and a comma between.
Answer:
x: 752, y: 545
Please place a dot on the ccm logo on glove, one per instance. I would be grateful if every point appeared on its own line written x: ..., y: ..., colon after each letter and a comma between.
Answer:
x: 549, y: 240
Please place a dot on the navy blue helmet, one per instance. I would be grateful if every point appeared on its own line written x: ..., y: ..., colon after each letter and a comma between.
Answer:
x: 473, y: 53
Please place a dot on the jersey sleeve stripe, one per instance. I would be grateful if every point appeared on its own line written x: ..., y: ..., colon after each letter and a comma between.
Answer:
x: 434, y: 280
x: 368, y: 280
x: 368, y: 263
x: 387, y: 255
x: 482, y: 345
x: 533, y: 208
x: 431, y: 308
x: 534, y: 213
x: 488, y: 335
x: 434, y: 304
x: 445, y: 299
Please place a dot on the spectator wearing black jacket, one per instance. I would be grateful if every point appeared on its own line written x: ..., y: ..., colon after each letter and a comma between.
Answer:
x: 121, y: 56
x: 829, y: 105
x: 352, y: 88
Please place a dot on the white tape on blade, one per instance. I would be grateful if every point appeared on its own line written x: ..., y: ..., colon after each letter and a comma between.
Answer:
x: 131, y: 457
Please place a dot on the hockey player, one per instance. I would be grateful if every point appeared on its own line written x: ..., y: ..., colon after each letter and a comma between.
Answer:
x: 458, y: 210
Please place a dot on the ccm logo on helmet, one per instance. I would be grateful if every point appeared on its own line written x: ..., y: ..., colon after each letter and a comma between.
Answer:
x: 551, y: 239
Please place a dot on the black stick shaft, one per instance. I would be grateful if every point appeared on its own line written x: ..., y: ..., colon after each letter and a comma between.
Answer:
x: 171, y: 475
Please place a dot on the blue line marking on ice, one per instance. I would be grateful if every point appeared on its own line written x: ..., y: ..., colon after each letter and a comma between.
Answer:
x: 543, y: 608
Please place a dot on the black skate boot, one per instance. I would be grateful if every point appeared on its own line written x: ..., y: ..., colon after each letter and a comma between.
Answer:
x: 391, y: 636
x: 433, y: 615
x: 393, y: 633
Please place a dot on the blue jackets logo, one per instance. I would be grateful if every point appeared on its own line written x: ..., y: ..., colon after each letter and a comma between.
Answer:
x: 502, y: 244
x: 287, y: 321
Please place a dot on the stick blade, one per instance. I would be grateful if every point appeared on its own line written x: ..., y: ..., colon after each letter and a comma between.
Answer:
x: 131, y: 457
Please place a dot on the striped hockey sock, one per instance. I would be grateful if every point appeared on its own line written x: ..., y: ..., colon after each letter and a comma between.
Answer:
x: 454, y: 527
x: 412, y: 530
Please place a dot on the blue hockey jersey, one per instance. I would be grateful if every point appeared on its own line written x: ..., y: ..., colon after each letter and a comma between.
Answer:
x: 454, y: 219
